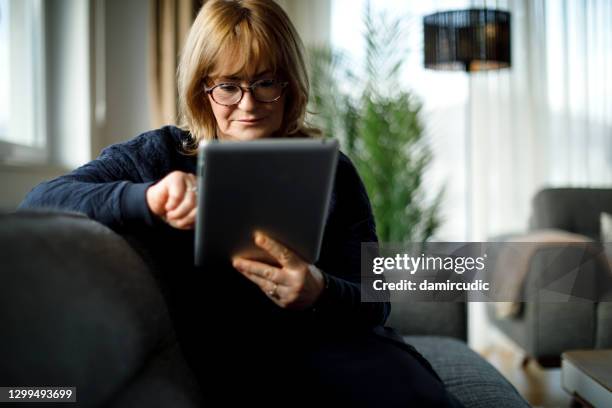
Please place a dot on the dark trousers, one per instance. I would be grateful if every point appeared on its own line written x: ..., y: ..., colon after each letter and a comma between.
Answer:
x: 363, y: 372
x: 252, y: 360
x: 241, y: 355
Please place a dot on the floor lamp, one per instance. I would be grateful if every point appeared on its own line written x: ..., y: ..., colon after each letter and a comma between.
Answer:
x: 467, y: 40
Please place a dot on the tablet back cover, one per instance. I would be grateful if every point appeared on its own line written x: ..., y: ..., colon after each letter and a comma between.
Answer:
x: 279, y: 186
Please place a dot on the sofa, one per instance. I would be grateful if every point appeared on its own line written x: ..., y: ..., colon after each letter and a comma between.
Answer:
x: 544, y: 330
x: 79, y: 306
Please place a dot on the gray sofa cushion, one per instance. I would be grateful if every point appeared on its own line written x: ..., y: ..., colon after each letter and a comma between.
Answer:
x: 429, y: 318
x: 161, y: 383
x: 469, y: 377
x: 79, y: 308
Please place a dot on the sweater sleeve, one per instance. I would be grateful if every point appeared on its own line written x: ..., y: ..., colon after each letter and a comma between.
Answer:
x: 109, y: 189
x: 353, y: 223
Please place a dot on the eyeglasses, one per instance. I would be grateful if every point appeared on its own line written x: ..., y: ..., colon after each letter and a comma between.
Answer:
x: 263, y: 90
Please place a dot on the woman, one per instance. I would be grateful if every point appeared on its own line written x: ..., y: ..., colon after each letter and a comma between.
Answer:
x: 287, y: 333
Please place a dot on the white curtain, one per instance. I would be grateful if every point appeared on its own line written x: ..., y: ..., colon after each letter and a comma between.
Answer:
x: 548, y: 120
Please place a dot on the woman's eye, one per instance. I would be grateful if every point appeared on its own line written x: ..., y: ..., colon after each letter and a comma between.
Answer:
x: 266, y: 83
x: 229, y: 88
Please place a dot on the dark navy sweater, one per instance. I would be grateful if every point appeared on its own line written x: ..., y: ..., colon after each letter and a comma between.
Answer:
x: 111, y: 189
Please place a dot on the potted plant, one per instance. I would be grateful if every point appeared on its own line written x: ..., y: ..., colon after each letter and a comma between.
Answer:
x: 379, y: 127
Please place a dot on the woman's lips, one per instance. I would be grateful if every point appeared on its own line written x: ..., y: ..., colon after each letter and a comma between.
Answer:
x: 252, y: 121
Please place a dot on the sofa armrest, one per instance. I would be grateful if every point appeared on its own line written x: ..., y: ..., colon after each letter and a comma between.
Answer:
x: 545, y: 328
x: 429, y: 318
x: 563, y: 325
x: 78, y: 306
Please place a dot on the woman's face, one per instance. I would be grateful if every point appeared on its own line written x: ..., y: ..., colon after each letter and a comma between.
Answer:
x: 248, y: 119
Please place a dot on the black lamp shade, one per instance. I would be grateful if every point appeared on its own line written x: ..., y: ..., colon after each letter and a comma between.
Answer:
x: 470, y: 40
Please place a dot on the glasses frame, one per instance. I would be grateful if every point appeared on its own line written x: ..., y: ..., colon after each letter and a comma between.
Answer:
x: 243, y: 89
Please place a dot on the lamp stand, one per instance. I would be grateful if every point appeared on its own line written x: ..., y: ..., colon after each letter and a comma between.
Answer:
x: 469, y: 169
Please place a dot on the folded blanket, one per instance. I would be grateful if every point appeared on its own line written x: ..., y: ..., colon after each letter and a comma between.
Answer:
x: 512, y: 266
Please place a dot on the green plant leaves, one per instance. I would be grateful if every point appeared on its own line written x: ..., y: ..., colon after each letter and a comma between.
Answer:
x: 379, y: 127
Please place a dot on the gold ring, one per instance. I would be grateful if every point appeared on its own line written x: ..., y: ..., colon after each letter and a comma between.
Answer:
x: 272, y: 291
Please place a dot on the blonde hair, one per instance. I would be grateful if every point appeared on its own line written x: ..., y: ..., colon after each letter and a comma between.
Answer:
x: 247, y: 33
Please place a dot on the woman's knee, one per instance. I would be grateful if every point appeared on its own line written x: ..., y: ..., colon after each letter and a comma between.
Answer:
x: 370, y: 372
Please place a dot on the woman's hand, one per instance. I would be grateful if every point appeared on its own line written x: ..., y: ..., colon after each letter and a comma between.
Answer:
x: 294, y: 284
x: 174, y: 200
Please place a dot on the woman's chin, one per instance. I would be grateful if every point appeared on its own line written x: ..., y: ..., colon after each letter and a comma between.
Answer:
x: 248, y: 134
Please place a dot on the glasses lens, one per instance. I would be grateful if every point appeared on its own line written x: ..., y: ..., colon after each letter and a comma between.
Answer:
x: 267, y: 90
x: 226, y: 94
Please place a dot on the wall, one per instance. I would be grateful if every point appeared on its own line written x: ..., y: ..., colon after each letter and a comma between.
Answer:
x: 127, y: 95
x: 312, y: 19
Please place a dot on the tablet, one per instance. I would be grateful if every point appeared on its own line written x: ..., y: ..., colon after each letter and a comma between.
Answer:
x: 279, y: 186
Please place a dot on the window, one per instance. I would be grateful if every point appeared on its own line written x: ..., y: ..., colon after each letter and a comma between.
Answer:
x: 22, y: 90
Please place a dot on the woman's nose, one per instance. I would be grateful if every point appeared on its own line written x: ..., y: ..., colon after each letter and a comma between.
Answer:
x: 247, y: 102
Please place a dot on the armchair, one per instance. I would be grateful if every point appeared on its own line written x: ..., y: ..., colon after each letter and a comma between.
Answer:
x: 544, y: 329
